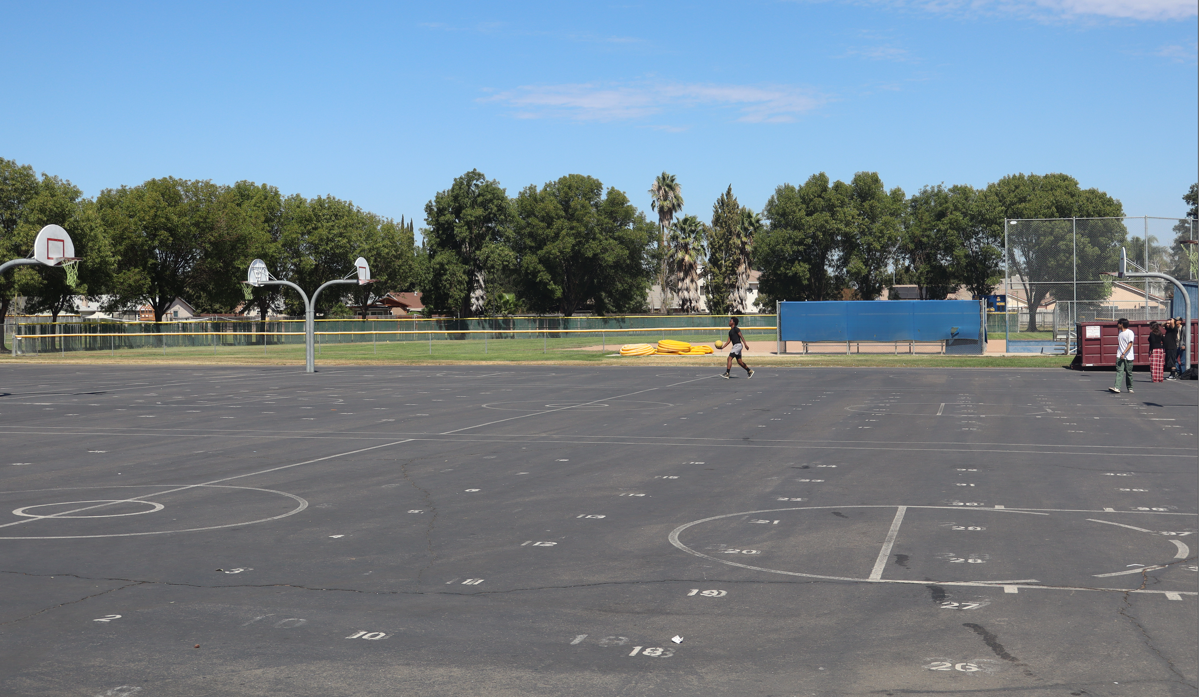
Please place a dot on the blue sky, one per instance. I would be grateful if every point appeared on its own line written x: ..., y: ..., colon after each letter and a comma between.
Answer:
x: 384, y: 104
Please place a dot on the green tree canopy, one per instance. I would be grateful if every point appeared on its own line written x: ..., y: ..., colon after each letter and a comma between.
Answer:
x: 724, y: 253
x: 467, y: 238
x: 175, y: 238
x: 932, y: 239
x: 1042, y: 255
x: 575, y: 246
x: 18, y: 186
x: 876, y: 227
x: 800, y: 252
x: 61, y: 203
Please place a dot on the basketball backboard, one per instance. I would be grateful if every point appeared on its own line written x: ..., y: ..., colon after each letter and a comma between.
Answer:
x: 53, y: 245
x: 364, y: 271
x: 258, y: 273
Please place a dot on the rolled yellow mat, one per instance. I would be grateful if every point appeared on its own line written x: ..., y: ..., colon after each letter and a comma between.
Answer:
x: 636, y: 350
x: 672, y: 343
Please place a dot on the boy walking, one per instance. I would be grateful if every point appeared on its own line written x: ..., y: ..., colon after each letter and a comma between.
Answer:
x: 736, y: 344
x: 1125, y: 355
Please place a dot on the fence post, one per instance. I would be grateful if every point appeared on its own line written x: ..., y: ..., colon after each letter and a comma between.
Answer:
x: 778, y: 329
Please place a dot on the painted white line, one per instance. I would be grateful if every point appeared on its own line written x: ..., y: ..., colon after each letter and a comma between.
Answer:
x: 1108, y: 522
x: 1130, y: 571
x: 885, y: 553
x: 999, y: 506
x: 210, y: 483
x: 575, y: 406
x: 1173, y: 596
x: 1183, y: 550
x: 941, y: 408
x: 1011, y: 589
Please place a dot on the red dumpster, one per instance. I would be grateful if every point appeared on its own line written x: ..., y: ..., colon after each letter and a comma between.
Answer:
x: 1098, y: 344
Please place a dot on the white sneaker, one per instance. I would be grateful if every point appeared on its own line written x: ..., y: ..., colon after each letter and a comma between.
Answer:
x: 1114, y: 389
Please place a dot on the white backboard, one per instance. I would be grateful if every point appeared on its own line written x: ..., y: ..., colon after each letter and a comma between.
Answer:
x: 52, y: 245
x: 257, y: 274
x: 364, y: 271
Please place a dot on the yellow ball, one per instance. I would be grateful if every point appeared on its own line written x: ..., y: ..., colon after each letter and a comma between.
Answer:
x: 719, y: 343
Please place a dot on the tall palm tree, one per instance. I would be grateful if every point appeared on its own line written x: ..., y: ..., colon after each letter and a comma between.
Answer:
x: 751, y: 225
x: 686, y: 254
x: 666, y: 198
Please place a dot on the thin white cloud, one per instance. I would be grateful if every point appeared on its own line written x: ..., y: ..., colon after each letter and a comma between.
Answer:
x: 596, y: 102
x: 503, y: 28
x: 881, y: 52
x: 1144, y: 10
x: 1180, y: 54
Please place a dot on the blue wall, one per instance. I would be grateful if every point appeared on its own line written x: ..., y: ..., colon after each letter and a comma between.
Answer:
x: 881, y: 320
x: 1178, y: 306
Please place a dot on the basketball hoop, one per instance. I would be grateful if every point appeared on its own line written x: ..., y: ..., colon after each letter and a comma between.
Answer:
x: 363, y: 270
x: 71, y: 267
x: 248, y: 290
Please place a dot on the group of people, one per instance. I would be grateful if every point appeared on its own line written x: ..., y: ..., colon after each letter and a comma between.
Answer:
x: 1165, y: 349
x: 1165, y: 352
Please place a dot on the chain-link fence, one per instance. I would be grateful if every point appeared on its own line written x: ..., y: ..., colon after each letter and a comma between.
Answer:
x: 519, y: 333
x: 1053, y: 270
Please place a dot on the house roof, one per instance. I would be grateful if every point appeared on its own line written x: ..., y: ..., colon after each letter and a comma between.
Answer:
x: 406, y: 300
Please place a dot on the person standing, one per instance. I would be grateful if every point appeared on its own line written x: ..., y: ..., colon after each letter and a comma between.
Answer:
x: 736, y: 344
x: 1170, y: 338
x: 1157, y: 352
x: 1125, y: 355
x: 1181, y: 328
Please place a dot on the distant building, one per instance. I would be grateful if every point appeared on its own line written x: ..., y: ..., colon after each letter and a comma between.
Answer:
x: 403, y: 304
x: 177, y: 311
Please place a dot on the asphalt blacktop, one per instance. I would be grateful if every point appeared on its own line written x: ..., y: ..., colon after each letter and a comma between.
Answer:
x: 522, y: 530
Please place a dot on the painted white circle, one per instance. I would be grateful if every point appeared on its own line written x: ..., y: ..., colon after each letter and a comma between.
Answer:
x: 301, y: 504
x: 674, y: 540
x: 154, y: 508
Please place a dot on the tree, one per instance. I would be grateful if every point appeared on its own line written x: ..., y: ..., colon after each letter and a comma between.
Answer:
x: 724, y: 253
x: 467, y: 238
x: 666, y: 197
x: 1186, y: 256
x: 263, y: 207
x: 688, y: 238
x: 60, y: 202
x: 174, y: 238
x: 800, y: 251
x: 391, y: 251
x: 978, y: 258
x: 876, y: 228
x: 749, y: 228
x: 931, y: 239
x: 1042, y: 255
x: 574, y: 245
x: 18, y: 185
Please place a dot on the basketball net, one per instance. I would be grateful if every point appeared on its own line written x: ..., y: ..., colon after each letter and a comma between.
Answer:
x: 248, y: 290
x: 72, y: 269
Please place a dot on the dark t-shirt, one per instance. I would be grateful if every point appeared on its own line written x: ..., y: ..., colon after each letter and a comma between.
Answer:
x: 1156, y: 342
x: 735, y: 336
x: 1171, y: 339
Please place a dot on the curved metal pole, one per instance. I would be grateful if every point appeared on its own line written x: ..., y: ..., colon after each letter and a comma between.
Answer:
x: 309, y: 361
x: 17, y: 262
x: 310, y: 320
x: 1188, y: 350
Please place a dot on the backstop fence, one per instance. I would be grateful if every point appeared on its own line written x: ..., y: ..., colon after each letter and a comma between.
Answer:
x: 548, y: 332
x: 1052, y: 273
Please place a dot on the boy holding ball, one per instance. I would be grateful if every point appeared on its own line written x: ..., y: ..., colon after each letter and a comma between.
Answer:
x: 736, y: 344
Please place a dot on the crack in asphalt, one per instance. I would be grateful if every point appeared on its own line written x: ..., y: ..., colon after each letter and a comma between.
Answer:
x: 1125, y: 613
x: 131, y: 584
x: 428, y: 498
